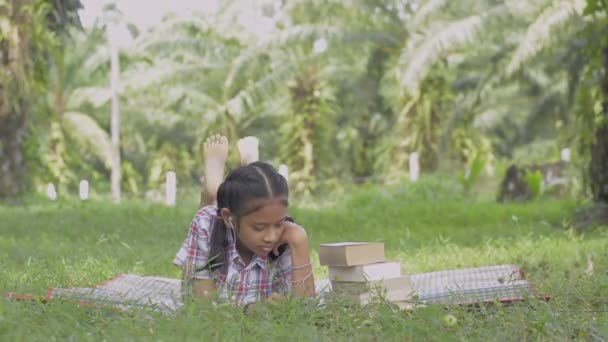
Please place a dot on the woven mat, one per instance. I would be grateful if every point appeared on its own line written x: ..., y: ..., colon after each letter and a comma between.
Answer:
x: 504, y: 283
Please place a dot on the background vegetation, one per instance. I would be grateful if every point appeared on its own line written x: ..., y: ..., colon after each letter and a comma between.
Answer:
x: 343, y: 93
x: 338, y: 90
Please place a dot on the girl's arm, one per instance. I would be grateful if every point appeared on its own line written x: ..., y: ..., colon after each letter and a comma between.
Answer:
x: 302, y: 278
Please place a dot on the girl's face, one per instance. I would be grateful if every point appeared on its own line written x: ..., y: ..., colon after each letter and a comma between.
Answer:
x: 260, y: 231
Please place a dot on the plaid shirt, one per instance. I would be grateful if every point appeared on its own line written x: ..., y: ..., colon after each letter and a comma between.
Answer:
x: 236, y: 282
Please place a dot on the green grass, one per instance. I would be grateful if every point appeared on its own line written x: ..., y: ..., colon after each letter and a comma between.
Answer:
x: 428, y: 226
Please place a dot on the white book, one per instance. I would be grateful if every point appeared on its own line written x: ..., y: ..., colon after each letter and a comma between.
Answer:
x: 351, y: 253
x: 363, y: 273
x: 393, y: 289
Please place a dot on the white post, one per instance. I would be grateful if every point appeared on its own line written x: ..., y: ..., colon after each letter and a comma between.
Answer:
x: 170, y: 190
x: 566, y: 155
x: 284, y: 171
x: 115, y: 119
x: 51, y: 193
x: 84, y: 190
x: 414, y: 167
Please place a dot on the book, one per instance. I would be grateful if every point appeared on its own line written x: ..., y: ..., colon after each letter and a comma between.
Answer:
x: 363, y: 273
x: 351, y: 253
x: 393, y: 289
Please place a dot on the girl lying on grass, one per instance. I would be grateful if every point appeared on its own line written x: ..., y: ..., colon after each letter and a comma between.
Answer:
x: 242, y: 245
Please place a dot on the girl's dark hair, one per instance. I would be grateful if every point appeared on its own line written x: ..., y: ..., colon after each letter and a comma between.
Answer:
x: 240, y: 192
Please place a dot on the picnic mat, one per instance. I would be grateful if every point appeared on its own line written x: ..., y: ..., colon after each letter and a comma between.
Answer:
x: 505, y: 283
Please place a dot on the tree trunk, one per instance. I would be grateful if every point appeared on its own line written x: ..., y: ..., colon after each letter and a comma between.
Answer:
x: 598, y: 166
x: 12, y: 163
x: 365, y: 155
x: 13, y: 104
x: 16, y: 72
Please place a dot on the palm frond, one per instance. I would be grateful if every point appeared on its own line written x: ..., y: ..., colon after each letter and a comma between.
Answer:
x: 171, y: 29
x: 96, y: 96
x: 540, y: 32
x: 85, y: 130
x: 294, y: 34
x: 415, y: 62
x: 256, y: 92
x: 290, y: 38
x: 537, y: 77
x: 425, y: 11
x: 138, y: 79
x: 98, y: 58
x: 79, y: 62
x: 191, y: 103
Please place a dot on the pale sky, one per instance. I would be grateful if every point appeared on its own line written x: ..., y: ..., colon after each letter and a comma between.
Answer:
x: 147, y: 13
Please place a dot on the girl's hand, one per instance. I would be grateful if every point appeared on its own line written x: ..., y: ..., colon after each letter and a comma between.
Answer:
x: 293, y: 235
x: 275, y: 297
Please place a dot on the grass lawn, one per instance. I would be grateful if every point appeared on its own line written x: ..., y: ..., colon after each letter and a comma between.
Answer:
x: 428, y: 226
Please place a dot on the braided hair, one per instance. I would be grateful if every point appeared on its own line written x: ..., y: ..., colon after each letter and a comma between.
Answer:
x: 240, y: 191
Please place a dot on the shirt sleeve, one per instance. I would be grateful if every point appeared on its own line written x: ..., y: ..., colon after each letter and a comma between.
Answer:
x: 193, y: 255
x: 282, y: 277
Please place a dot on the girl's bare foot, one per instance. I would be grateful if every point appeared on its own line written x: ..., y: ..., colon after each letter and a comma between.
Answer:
x: 248, y: 149
x: 215, y: 152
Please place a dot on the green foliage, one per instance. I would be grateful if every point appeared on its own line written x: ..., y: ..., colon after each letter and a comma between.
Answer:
x: 57, y: 159
x: 468, y: 178
x: 169, y: 158
x: 419, y: 125
x: 87, y: 133
x: 131, y: 179
x: 595, y: 6
x: 592, y: 102
x: 306, y: 132
x: 26, y: 40
x: 448, y: 80
x: 534, y: 181
x: 536, y: 152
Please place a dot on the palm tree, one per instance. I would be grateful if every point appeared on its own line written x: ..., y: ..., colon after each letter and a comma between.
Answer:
x: 498, y: 64
x: 25, y: 42
x: 593, y: 114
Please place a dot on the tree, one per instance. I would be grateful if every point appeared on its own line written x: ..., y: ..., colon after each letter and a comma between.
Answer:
x: 71, y: 144
x: 26, y: 38
x: 598, y: 164
x: 594, y: 115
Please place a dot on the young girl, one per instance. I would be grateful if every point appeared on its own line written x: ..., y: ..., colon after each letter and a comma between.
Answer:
x: 242, y: 245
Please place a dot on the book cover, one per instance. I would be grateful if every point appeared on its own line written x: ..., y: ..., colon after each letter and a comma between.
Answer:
x: 398, y: 284
x: 363, y: 273
x: 351, y: 253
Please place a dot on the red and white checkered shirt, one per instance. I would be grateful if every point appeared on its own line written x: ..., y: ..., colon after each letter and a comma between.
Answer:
x: 236, y: 282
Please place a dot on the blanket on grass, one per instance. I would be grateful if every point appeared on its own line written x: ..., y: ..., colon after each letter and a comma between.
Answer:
x: 504, y: 283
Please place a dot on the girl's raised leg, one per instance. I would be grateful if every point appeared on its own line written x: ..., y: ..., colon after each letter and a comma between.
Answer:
x: 248, y: 150
x: 215, y: 153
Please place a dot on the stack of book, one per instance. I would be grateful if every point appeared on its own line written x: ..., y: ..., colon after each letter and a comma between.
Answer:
x: 360, y: 270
